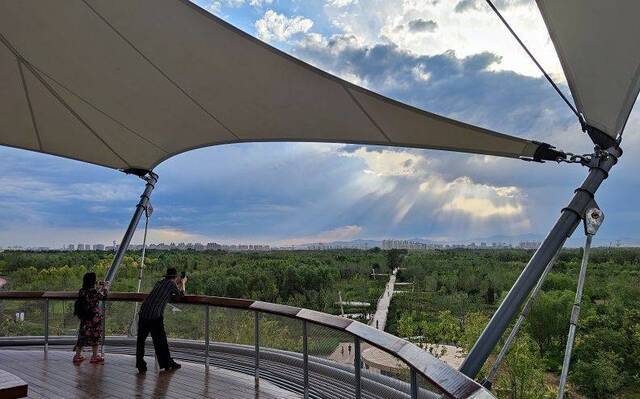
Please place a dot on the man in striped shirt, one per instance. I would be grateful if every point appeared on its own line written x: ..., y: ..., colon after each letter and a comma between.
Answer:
x: 150, y: 320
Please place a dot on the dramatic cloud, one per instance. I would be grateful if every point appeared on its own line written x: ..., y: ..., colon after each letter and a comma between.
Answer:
x: 465, y: 88
x: 294, y: 193
x: 274, y: 26
x: 421, y: 25
x: 473, y: 31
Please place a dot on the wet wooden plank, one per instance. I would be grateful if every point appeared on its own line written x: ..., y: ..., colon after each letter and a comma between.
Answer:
x: 56, y: 377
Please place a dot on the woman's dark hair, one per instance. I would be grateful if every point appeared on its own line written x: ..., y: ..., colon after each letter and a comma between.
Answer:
x: 88, y: 280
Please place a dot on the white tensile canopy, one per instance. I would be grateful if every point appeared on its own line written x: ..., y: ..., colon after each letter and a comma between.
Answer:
x: 597, y: 42
x: 128, y: 84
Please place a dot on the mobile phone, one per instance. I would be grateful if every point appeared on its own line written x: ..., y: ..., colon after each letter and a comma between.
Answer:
x: 183, y: 274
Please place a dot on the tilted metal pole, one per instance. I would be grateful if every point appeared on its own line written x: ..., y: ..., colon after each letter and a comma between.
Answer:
x: 564, y: 227
x: 491, y: 377
x: 592, y: 222
x: 575, y: 313
x: 133, y: 328
x: 151, y: 179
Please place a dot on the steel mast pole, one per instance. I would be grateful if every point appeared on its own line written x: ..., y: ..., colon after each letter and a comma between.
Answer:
x: 151, y: 179
x: 569, y: 219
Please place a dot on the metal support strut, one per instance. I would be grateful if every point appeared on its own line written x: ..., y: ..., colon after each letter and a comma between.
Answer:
x: 564, y: 227
x: 151, y: 179
x: 592, y: 222
x: 491, y: 377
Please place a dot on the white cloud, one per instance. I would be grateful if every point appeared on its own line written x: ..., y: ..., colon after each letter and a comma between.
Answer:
x: 279, y: 27
x: 387, y: 162
x: 213, y: 7
x: 259, y: 3
x: 481, y: 207
x: 479, y: 201
x: 420, y: 73
x: 340, y: 3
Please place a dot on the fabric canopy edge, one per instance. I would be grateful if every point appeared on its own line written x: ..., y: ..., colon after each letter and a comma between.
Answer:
x: 539, y: 152
x: 346, y: 84
x: 520, y: 148
x: 596, y: 131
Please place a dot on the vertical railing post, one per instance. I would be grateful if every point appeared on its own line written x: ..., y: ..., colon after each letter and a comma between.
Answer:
x: 206, y: 338
x: 358, y: 367
x: 46, y: 327
x: 414, y: 383
x: 305, y: 358
x: 257, y: 346
x: 104, y: 327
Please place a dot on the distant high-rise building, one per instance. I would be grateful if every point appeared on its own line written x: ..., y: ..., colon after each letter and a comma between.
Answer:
x: 529, y: 244
x: 80, y: 247
x: 98, y: 247
x: 71, y: 247
x: 406, y: 244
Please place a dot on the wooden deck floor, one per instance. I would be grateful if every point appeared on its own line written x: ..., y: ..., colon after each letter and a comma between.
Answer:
x: 57, y: 377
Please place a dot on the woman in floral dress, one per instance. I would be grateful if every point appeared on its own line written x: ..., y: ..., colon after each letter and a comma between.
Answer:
x: 90, y: 332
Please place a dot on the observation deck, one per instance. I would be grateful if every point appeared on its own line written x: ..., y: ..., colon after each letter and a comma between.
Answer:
x: 229, y: 348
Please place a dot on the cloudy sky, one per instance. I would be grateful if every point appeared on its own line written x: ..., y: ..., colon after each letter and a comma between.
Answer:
x: 451, y: 57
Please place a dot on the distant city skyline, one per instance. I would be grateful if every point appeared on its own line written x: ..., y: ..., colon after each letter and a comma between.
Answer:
x: 385, y: 244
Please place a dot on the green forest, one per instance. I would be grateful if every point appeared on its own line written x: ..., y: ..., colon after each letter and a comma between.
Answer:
x: 454, y: 293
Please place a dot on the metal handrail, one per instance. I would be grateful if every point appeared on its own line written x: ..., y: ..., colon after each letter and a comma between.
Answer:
x: 451, y: 382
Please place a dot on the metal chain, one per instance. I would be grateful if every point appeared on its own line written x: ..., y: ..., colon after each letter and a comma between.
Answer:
x: 584, y: 159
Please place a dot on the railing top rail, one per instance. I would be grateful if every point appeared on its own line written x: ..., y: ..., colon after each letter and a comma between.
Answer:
x: 452, y: 382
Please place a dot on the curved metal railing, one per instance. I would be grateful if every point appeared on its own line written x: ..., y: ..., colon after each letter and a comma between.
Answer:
x: 300, y: 371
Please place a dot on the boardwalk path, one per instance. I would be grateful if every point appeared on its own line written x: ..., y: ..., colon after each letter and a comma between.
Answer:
x: 379, y: 320
x: 342, y: 353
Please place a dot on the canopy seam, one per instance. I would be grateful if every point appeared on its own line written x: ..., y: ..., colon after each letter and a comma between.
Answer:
x: 157, y: 68
x: 95, y: 107
x: 28, y: 97
x: 57, y: 96
x: 355, y: 100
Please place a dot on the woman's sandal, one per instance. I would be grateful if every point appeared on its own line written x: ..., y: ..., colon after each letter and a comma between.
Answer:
x: 96, y: 360
x: 78, y: 359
